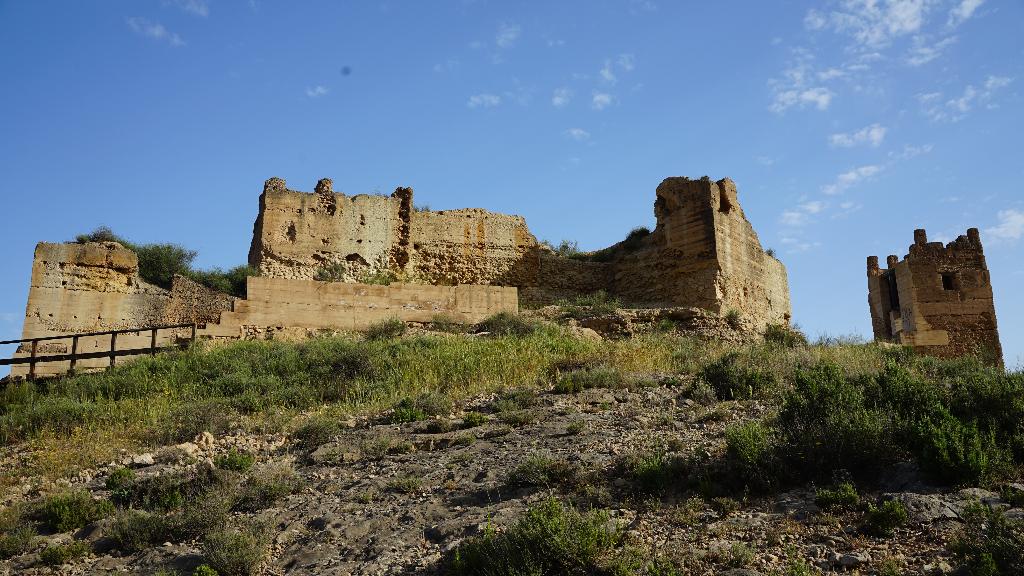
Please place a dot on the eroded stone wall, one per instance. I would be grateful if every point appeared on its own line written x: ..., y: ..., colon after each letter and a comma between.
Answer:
x: 95, y: 287
x: 938, y: 299
x: 703, y: 252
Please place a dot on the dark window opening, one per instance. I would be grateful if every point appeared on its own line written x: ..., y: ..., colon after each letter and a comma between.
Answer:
x: 948, y: 281
x: 894, y: 291
x: 723, y: 202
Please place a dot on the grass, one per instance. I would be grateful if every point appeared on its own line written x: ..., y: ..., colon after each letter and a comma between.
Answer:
x: 597, y: 303
x: 386, y: 329
x: 551, y: 538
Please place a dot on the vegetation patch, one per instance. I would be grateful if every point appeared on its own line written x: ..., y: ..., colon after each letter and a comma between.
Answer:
x: 59, y: 554
x: 73, y: 510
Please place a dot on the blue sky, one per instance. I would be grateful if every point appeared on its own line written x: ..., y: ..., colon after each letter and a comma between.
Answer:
x: 846, y: 124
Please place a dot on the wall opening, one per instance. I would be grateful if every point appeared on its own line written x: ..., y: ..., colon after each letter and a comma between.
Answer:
x: 724, y: 205
x: 948, y: 281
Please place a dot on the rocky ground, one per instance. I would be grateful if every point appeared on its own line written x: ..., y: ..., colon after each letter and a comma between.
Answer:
x: 385, y: 498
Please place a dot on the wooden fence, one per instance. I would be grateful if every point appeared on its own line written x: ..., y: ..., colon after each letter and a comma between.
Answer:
x: 113, y: 353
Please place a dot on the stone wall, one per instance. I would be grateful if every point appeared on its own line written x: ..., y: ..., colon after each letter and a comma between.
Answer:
x: 95, y: 287
x: 276, y: 305
x: 703, y: 252
x: 938, y: 299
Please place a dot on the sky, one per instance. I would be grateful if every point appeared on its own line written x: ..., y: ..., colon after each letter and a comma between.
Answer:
x: 845, y: 124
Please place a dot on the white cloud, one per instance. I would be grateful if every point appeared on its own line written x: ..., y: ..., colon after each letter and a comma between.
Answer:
x: 607, y: 74
x: 317, y: 91
x: 197, y: 7
x: 818, y: 97
x: 561, y: 97
x: 800, y: 214
x: 873, y: 135
x: 798, y: 245
x: 507, y: 35
x: 578, y: 134
x: 922, y: 52
x: 627, y: 62
x: 9, y: 317
x: 800, y: 86
x: 446, y: 66
x: 792, y: 218
x: 1010, y: 227
x: 872, y: 24
x: 601, y: 100
x: 764, y: 160
x: 850, y: 178
x: 813, y: 207
x: 910, y: 151
x: 957, y: 108
x: 963, y: 11
x: 483, y: 101
x: 154, y: 30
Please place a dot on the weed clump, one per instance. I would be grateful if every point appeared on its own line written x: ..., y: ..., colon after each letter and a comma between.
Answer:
x: 842, y: 497
x: 785, y: 335
x: 386, y: 329
x: 883, y: 520
x: 73, y: 510
x: 235, y: 460
x: 730, y: 381
x: 59, y: 554
x: 990, y: 544
x: 542, y: 470
x: 580, y: 380
x: 551, y: 538
x: 235, y: 552
x: 506, y: 324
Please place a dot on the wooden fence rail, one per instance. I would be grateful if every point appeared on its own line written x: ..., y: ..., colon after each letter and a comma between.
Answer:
x: 112, y: 354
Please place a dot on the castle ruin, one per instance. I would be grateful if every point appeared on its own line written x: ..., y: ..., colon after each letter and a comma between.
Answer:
x: 938, y: 299
x: 466, y: 264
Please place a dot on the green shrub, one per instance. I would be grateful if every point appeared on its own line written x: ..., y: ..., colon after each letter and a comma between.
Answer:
x: 989, y: 543
x: 379, y: 277
x: 446, y: 323
x: 731, y: 381
x: 515, y: 400
x: 16, y: 541
x: 232, y: 281
x: 580, y: 380
x: 954, y: 452
x: 58, y: 554
x: 519, y: 418
x: 405, y: 484
x: 576, y: 427
x: 386, y: 329
x: 733, y: 318
x: 565, y: 248
x: 542, y: 470
x: 473, y: 419
x: 204, y: 570
x: 235, y: 460
x: 331, y: 272
x: 785, y: 335
x: 134, y: 530
x: 235, y: 552
x: 883, y: 520
x: 419, y: 408
x: 654, y: 473
x: 825, y: 426
x: 120, y: 483
x: 506, y: 324
x: 315, y: 433
x: 751, y: 448
x: 597, y: 303
x: 842, y: 497
x: 551, y: 539
x: 73, y: 510
x: 267, y: 485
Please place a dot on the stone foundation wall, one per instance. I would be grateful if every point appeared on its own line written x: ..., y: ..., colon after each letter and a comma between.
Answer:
x: 282, y: 304
x: 938, y: 299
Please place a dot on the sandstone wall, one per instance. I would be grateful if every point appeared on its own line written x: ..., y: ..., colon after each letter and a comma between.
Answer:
x: 942, y: 304
x: 95, y: 287
x: 283, y: 304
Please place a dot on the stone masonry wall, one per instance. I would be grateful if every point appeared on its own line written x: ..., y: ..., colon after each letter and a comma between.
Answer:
x: 938, y: 299
x: 284, y: 304
x: 703, y: 252
x: 94, y: 287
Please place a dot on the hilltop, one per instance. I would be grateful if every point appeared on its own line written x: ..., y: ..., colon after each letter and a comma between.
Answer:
x: 522, y: 445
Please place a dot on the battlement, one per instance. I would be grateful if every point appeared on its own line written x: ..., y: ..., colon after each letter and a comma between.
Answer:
x: 938, y: 299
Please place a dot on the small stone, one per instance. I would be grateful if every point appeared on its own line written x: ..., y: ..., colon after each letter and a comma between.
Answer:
x: 143, y: 460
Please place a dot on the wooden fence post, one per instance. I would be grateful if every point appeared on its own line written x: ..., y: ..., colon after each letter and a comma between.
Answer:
x: 113, y: 346
x: 74, y: 354
x: 32, y: 363
x: 152, y: 343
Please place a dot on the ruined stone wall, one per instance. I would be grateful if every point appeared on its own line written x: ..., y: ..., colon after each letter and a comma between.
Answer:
x: 284, y: 304
x: 938, y: 299
x: 702, y: 253
x: 95, y: 287
x: 298, y: 234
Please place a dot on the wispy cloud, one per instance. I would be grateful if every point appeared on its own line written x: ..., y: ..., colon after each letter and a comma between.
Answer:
x: 317, y: 91
x: 910, y: 151
x: 869, y: 23
x: 577, y: 134
x: 794, y: 245
x: 801, y: 214
x: 956, y: 108
x: 561, y: 97
x: 507, y: 35
x: 153, y: 30
x: 607, y: 74
x: 601, y: 100
x: 196, y: 7
x: 1010, y: 226
x: 800, y: 86
x: 963, y: 12
x: 626, y: 61
x: 9, y: 317
x: 483, y: 101
x: 850, y: 178
x: 872, y: 135
x: 924, y: 51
